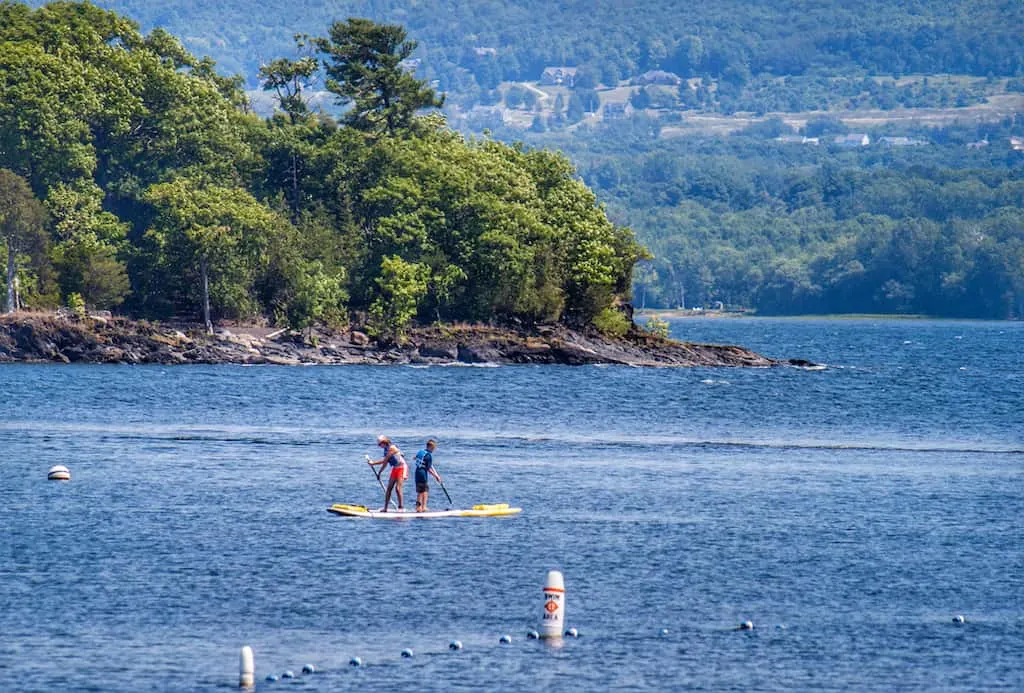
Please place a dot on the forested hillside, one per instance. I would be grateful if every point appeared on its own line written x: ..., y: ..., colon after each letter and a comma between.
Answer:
x: 471, y: 45
x: 131, y: 176
x: 794, y: 227
x: 779, y: 156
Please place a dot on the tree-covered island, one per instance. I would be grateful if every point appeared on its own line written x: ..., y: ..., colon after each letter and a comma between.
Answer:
x: 134, y: 178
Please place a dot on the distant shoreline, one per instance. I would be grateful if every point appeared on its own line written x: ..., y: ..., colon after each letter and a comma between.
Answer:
x: 685, y: 313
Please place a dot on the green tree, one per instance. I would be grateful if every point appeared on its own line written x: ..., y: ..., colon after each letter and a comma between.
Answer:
x: 401, y: 286
x: 221, y: 232
x: 88, y: 243
x: 21, y: 228
x: 363, y: 65
x: 290, y: 79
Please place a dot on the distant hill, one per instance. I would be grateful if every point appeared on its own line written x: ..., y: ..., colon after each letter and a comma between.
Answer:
x: 471, y: 45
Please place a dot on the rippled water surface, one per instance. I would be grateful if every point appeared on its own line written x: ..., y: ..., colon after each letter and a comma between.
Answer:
x: 849, y: 513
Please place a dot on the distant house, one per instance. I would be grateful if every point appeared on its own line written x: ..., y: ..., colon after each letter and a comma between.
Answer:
x: 854, y: 139
x: 562, y: 76
x: 1017, y: 144
x: 797, y: 139
x: 902, y: 141
x: 619, y: 110
x: 659, y: 77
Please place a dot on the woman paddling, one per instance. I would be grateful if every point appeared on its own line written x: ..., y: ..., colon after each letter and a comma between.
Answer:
x: 399, y: 471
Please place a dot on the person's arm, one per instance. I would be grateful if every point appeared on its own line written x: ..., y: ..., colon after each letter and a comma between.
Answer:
x: 434, y: 473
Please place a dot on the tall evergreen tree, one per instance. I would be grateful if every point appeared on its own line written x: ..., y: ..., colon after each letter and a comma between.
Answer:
x: 364, y: 68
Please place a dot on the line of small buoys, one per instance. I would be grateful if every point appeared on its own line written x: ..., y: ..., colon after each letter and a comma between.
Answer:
x: 551, y: 629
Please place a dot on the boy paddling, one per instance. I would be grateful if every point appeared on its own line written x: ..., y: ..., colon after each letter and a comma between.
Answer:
x: 425, y: 466
x: 399, y: 471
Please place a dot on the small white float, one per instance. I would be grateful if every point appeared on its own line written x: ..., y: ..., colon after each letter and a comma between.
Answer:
x: 59, y: 473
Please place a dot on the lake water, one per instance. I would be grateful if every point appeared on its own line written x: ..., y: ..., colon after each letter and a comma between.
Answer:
x: 849, y: 513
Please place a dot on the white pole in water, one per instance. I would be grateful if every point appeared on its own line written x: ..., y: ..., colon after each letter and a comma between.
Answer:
x: 554, y: 606
x: 246, y: 669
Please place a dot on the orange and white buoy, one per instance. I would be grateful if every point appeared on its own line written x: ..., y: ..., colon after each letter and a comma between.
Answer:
x: 554, y: 606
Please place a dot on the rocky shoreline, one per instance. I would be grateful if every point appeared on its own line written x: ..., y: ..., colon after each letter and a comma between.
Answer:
x: 47, y: 338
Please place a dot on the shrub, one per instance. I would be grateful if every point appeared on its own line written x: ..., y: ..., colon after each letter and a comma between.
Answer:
x: 76, y: 304
x: 657, y: 327
x: 612, y: 322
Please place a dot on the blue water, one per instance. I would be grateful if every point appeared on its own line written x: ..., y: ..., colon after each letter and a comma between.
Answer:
x: 849, y: 513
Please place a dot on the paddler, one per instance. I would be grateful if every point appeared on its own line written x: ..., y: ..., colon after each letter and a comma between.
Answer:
x: 399, y: 470
x: 424, y: 466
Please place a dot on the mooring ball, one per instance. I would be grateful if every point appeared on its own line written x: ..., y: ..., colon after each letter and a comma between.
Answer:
x: 407, y: 652
x: 455, y: 645
x: 288, y: 674
x: 664, y: 632
x: 532, y: 635
x: 959, y: 619
x: 58, y: 473
x: 505, y: 640
x: 572, y: 633
x: 271, y: 678
x: 746, y: 625
x: 355, y: 662
x: 308, y: 669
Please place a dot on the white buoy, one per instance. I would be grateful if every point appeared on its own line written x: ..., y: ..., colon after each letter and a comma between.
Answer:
x: 355, y: 662
x: 664, y: 632
x: 554, y: 606
x: 958, y: 619
x: 532, y: 635
x: 505, y: 639
x: 271, y: 678
x: 308, y: 669
x: 59, y: 472
x: 246, y: 669
x: 407, y: 653
x: 288, y: 674
x: 572, y: 633
x: 745, y: 625
x: 455, y: 645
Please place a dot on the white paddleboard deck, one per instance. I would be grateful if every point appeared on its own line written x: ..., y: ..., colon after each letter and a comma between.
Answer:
x: 486, y: 510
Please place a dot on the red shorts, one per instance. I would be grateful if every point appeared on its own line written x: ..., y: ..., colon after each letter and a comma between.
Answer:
x: 399, y: 473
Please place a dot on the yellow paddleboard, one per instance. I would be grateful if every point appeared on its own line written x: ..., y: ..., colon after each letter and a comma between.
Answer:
x: 482, y: 510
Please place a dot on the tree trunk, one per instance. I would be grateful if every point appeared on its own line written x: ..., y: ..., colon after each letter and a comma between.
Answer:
x: 295, y: 188
x: 206, y: 294
x: 10, y: 304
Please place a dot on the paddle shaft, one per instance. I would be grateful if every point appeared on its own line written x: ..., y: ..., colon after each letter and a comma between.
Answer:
x: 377, y: 474
x: 445, y: 492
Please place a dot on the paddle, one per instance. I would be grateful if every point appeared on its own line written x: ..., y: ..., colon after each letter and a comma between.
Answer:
x: 450, y: 503
x: 377, y: 473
